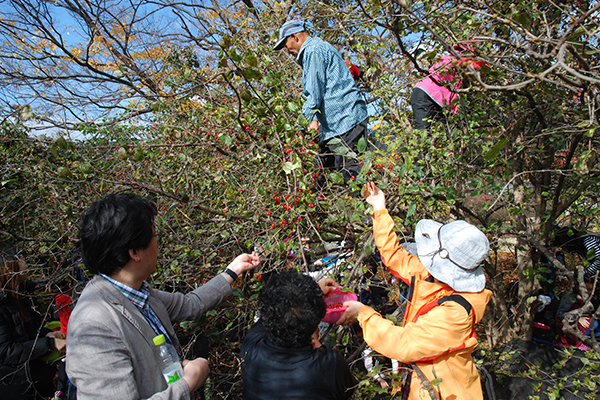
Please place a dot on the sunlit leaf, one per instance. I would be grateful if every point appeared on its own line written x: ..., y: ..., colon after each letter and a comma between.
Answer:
x: 26, y: 112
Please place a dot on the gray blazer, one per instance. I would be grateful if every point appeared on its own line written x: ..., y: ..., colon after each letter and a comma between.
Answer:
x: 110, y: 353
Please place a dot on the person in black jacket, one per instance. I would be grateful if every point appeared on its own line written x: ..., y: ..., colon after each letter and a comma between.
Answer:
x: 282, y: 357
x: 24, y: 375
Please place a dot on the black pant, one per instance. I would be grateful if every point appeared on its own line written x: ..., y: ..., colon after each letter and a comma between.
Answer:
x: 329, y: 158
x: 64, y: 385
x: 424, y: 109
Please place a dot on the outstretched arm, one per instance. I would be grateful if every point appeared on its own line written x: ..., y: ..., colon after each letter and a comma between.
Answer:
x: 400, y: 263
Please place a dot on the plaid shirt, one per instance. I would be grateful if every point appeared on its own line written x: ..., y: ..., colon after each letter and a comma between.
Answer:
x: 332, y: 97
x: 139, y: 298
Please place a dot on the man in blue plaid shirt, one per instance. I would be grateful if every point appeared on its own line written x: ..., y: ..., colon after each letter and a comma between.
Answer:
x: 334, y: 105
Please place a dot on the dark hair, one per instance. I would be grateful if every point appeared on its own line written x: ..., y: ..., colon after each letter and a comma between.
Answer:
x: 291, y: 307
x: 111, y: 227
x: 10, y: 268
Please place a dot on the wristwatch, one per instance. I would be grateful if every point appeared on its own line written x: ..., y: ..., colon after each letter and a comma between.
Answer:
x: 232, y: 274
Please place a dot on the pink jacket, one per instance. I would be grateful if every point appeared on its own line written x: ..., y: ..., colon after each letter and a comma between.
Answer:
x: 443, y: 72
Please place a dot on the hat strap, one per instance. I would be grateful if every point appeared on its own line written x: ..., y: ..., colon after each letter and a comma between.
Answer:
x: 446, y: 254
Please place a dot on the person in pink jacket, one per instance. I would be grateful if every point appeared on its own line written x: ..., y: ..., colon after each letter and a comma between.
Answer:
x: 433, y: 93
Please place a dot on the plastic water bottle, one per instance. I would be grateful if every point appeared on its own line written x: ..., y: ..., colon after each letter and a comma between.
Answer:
x: 169, y: 361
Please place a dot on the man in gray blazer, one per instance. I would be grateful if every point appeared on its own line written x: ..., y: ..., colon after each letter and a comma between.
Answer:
x: 110, y: 352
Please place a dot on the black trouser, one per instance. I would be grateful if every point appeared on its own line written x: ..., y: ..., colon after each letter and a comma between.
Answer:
x: 328, y: 158
x: 64, y: 385
x: 424, y: 109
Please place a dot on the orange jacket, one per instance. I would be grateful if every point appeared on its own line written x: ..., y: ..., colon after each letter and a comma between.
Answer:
x: 440, y: 341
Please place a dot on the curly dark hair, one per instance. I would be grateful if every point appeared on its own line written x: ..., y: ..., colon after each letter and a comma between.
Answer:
x: 111, y: 227
x: 291, y: 306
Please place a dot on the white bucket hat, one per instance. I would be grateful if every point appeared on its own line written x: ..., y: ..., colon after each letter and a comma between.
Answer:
x: 452, y: 253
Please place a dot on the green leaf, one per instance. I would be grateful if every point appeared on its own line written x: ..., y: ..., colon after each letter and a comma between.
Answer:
x: 289, y: 166
x: 436, y: 382
x: 577, y: 33
x: 225, y: 139
x: 523, y: 18
x: 252, y: 74
x: 138, y: 154
x: 234, y: 55
x: 581, y: 166
x: 62, y: 143
x: 225, y: 42
x: 293, y: 107
x: 269, y: 80
x: 336, y: 177
x: 590, y: 132
x: 122, y: 153
x: 530, y: 300
x: 346, y: 339
x: 26, y: 112
x: 251, y: 59
x: 590, y: 255
x: 245, y: 95
x: 366, y: 166
x: 52, y: 325
x: 64, y: 173
x: 86, y: 168
x: 361, y: 145
x: 411, y: 209
x: 494, y: 151
x: 341, y: 150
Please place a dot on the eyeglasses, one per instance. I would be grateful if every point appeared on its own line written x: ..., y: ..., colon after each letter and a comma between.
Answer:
x: 156, y: 233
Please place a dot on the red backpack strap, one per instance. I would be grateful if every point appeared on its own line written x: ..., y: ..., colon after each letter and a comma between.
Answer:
x: 425, y: 309
x: 457, y: 298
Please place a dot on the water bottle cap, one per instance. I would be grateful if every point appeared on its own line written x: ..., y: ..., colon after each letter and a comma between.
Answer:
x: 158, y: 340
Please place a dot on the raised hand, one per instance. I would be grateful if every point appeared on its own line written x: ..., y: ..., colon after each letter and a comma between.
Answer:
x: 374, y: 196
x: 327, y: 285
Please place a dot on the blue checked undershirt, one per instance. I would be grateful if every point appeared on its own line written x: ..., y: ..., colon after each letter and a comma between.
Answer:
x: 139, y: 298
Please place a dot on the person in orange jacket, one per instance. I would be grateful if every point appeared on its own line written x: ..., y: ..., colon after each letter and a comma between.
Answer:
x: 447, y: 297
